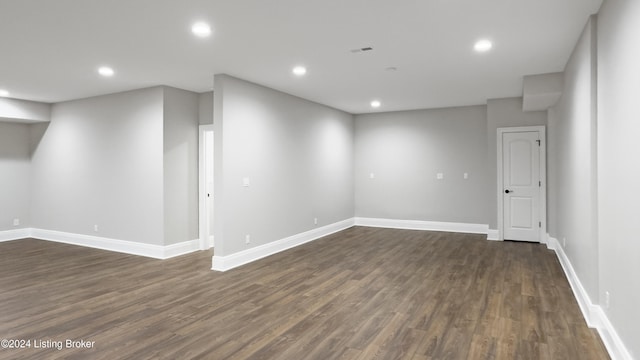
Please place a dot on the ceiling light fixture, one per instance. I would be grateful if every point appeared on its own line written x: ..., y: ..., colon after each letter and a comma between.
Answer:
x: 376, y: 104
x: 4, y: 93
x: 106, y: 71
x: 299, y: 70
x: 201, y: 29
x: 482, y: 45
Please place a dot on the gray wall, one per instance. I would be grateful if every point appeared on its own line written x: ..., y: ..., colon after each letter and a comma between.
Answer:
x: 15, y: 167
x: 205, y: 108
x: 593, y: 177
x: 297, y: 154
x: 618, y: 170
x: 100, y: 162
x: 180, y: 165
x: 405, y: 150
x: 503, y: 113
x: 572, y: 129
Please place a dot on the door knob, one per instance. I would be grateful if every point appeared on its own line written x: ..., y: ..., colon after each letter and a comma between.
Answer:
x: 508, y: 191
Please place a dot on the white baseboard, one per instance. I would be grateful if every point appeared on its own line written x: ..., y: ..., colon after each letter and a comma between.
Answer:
x: 493, y: 235
x: 15, y: 234
x: 593, y: 314
x: 224, y: 263
x: 122, y: 246
x: 423, y: 225
x: 616, y: 348
x: 586, y: 306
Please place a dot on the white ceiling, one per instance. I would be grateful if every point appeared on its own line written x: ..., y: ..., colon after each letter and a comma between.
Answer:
x: 50, y: 50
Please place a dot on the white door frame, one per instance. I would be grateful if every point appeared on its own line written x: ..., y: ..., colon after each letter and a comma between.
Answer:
x: 543, y: 178
x: 202, y: 188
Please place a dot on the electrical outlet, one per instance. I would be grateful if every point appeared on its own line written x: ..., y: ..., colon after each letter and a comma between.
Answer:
x: 372, y: 176
x: 607, y: 300
x: 247, y: 239
x: 95, y: 228
x: 439, y: 176
x: 16, y: 222
x: 465, y: 176
x: 564, y: 242
x: 315, y: 221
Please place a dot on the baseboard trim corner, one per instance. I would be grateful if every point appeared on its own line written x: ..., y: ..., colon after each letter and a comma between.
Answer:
x: 552, y: 242
x: 181, y: 248
x: 225, y: 263
x: 14, y: 234
x: 423, y: 225
x: 493, y: 235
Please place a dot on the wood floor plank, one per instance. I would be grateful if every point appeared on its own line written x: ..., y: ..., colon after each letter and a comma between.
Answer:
x: 362, y: 293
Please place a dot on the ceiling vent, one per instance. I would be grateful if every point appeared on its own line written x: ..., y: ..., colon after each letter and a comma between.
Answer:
x: 359, y: 50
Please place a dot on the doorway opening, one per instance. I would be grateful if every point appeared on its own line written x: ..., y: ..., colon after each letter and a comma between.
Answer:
x: 206, y: 196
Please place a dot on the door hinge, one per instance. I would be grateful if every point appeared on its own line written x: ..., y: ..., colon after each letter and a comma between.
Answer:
x: 539, y: 183
x: 539, y: 224
x: 538, y: 141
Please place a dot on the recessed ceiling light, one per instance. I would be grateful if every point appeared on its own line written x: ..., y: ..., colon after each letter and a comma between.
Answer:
x: 376, y: 104
x: 4, y: 93
x: 483, y: 45
x: 201, y: 29
x: 106, y: 71
x: 299, y: 70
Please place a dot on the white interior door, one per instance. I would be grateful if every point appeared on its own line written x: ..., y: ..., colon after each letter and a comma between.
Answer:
x: 521, y: 185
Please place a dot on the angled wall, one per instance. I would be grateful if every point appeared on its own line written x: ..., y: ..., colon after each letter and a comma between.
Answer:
x: 294, y: 156
x: 618, y: 170
x: 594, y: 198
x: 100, y: 162
x: 572, y: 129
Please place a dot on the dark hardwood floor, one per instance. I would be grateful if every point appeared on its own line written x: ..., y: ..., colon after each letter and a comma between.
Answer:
x: 363, y: 293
